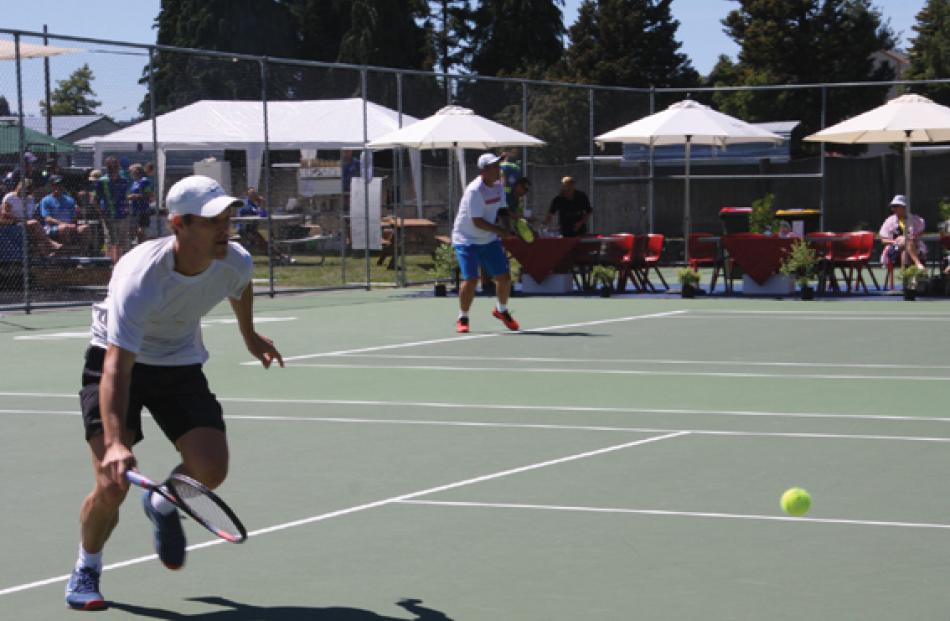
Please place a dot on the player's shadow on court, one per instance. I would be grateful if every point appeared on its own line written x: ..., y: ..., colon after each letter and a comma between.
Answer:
x: 236, y: 611
x: 545, y: 333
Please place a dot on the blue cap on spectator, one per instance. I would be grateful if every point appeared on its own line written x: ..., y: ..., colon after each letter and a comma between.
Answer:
x: 29, y: 157
x: 55, y: 180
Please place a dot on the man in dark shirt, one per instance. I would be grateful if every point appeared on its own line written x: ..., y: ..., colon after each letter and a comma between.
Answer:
x: 572, y: 208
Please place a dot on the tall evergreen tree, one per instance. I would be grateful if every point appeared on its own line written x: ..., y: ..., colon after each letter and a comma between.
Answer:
x: 627, y: 43
x: 4, y: 106
x: 517, y: 37
x: 450, y: 27
x: 930, y: 52
x: 74, y: 95
x: 802, y: 42
x: 263, y: 27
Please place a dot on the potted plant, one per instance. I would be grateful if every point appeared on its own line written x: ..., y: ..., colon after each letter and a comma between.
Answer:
x: 689, y: 281
x: 801, y: 265
x: 944, y: 208
x: 912, y: 276
x: 605, y: 276
x: 444, y: 265
x: 762, y: 218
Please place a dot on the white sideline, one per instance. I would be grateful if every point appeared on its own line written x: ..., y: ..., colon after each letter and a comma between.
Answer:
x: 662, y: 512
x: 470, y: 337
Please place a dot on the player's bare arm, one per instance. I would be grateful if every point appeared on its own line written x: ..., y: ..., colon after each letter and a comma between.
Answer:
x: 260, y: 346
x: 114, y: 402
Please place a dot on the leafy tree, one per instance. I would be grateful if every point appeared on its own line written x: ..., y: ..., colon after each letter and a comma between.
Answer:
x: 74, y: 95
x: 930, y: 52
x: 4, y: 107
x: 802, y: 42
x: 514, y: 37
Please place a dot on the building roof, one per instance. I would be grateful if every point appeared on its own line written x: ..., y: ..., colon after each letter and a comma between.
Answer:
x: 62, y: 124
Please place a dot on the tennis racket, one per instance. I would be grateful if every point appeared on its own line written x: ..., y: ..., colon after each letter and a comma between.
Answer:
x: 197, y: 501
x: 523, y: 229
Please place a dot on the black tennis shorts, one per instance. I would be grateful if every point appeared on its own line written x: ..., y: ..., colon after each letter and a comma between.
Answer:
x: 178, y: 398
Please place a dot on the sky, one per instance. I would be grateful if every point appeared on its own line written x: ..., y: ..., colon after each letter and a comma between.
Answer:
x: 116, y: 74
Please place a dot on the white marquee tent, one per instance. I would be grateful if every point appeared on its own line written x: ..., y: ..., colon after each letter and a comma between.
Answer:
x: 209, y: 124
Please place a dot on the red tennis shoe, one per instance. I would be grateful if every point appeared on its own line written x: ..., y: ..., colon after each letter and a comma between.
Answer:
x: 461, y: 326
x: 506, y: 319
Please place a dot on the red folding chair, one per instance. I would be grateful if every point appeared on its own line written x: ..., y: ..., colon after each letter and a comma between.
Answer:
x: 651, y: 260
x: 852, y: 256
x: 704, y: 254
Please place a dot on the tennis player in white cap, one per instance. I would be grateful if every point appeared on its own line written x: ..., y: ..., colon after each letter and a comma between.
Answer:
x: 146, y: 351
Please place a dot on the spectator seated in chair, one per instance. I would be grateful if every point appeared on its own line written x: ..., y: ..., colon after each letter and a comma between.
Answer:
x: 902, y: 244
x: 249, y: 232
x: 59, y: 216
x: 17, y: 207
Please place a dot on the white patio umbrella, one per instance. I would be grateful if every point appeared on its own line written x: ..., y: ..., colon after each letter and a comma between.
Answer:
x: 688, y: 122
x: 454, y: 128
x: 908, y: 118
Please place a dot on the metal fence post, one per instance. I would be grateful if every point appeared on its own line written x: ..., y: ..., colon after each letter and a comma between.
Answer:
x: 266, y: 173
x: 591, y: 148
x: 823, y: 192
x: 159, y: 178
x: 21, y: 144
x: 364, y: 175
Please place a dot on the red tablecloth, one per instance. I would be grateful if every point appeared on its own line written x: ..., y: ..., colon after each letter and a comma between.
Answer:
x: 542, y: 256
x: 759, y: 256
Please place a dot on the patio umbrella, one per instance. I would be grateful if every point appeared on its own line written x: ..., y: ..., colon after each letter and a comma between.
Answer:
x: 688, y: 122
x: 454, y: 127
x: 908, y: 118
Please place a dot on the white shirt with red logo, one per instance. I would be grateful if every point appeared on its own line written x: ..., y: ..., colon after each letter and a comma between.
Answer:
x: 480, y: 200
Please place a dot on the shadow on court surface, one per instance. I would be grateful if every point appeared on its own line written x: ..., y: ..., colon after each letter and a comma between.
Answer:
x: 236, y: 611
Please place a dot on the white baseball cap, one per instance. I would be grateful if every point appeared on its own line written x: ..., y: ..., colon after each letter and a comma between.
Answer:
x: 487, y: 159
x: 900, y: 199
x: 198, y: 195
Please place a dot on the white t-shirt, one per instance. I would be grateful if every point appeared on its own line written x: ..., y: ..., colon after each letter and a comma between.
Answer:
x: 480, y: 200
x: 17, y: 210
x: 156, y: 312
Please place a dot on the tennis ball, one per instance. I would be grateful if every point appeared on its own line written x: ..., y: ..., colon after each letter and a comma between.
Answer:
x: 796, y: 501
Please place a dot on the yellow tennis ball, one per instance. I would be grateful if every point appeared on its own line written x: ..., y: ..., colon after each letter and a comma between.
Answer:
x: 796, y: 501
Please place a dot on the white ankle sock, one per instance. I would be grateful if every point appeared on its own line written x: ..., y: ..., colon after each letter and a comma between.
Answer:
x: 501, y: 307
x: 86, y: 559
x: 161, y: 504
x: 463, y: 314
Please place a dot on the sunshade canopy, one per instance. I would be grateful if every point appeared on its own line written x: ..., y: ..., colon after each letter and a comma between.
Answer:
x: 31, y: 50
x: 455, y: 126
x: 690, y: 121
x: 925, y: 121
x: 32, y: 141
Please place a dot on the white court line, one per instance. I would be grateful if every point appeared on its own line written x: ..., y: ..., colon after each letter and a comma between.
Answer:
x: 547, y: 427
x: 726, y: 363
x: 822, y: 313
x: 60, y: 336
x: 373, y: 505
x: 582, y: 371
x: 821, y: 317
x: 544, y: 408
x: 662, y: 512
x: 470, y: 337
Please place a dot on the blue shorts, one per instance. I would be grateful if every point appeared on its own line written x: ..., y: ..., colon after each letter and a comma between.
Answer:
x: 490, y: 256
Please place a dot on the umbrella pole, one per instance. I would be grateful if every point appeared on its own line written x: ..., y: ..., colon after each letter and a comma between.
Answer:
x: 686, y: 209
x: 907, y: 174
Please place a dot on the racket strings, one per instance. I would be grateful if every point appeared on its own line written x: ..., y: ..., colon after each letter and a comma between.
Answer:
x: 206, y: 509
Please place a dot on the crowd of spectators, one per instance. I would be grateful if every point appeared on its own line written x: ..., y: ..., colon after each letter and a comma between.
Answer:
x: 95, y: 213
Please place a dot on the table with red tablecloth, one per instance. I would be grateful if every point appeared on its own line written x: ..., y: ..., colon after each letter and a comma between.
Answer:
x: 543, y: 256
x: 759, y: 256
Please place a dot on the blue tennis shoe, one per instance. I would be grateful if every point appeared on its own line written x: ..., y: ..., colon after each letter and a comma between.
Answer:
x: 169, y: 537
x: 82, y: 590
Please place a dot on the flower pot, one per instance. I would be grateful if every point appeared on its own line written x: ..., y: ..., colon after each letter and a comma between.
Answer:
x: 439, y: 290
x: 688, y: 291
x: 605, y: 291
x: 910, y: 294
x: 808, y: 293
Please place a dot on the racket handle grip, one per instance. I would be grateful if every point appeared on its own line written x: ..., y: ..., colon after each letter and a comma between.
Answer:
x: 141, y: 480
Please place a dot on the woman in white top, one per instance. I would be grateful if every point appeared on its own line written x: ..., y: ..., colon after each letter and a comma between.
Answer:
x: 18, y: 206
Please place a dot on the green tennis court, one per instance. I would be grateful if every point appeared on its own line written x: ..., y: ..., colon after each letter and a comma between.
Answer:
x: 621, y: 458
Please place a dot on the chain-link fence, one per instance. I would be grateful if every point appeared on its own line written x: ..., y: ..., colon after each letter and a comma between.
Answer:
x: 290, y: 137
